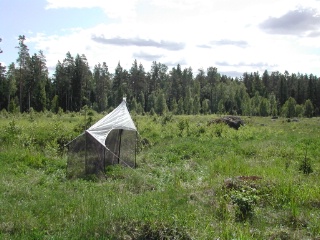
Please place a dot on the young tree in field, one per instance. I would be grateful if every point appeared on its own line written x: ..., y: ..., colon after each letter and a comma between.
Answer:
x: 308, y: 112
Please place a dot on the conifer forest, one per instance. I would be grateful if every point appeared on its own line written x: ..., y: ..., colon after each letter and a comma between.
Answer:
x: 72, y: 85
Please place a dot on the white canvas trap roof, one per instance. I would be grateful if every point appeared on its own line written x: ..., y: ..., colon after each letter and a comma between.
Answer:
x: 119, y: 118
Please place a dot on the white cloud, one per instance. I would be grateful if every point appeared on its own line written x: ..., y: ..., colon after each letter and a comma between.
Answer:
x: 122, y: 9
x: 229, y: 30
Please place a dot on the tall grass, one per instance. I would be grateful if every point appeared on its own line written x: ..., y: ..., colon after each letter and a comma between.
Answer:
x: 192, y: 181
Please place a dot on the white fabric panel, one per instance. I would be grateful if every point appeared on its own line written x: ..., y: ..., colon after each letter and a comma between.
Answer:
x: 119, y: 118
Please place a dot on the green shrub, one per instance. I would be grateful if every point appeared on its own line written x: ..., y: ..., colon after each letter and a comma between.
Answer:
x: 245, y: 200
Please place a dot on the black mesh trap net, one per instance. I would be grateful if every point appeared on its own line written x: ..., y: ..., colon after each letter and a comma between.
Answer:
x: 87, y: 156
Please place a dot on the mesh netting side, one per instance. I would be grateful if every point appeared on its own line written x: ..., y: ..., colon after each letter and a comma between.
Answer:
x: 112, y: 143
x: 95, y: 161
x: 76, y: 157
x: 86, y: 156
x: 128, y: 148
x: 122, y: 145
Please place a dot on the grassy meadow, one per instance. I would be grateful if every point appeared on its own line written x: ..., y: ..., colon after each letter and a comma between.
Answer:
x: 192, y: 181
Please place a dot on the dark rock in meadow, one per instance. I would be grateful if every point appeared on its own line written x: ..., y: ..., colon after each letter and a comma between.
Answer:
x: 232, y: 121
x: 293, y: 120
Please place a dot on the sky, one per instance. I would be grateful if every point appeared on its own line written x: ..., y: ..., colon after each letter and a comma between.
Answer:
x: 235, y: 36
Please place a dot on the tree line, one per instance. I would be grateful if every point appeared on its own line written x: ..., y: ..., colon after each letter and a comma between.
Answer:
x: 26, y: 85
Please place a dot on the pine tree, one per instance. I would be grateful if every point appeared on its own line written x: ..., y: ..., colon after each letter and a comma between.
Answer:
x: 151, y: 103
x: 118, y: 85
x: 266, y: 83
x: 161, y: 105
x: 180, y: 107
x: 3, y: 88
x: 36, y: 82
x: 175, y: 90
x: 22, y: 60
x: 11, y: 81
x: 63, y: 76
x: 283, y: 90
x: 81, y: 83
x: 101, y: 78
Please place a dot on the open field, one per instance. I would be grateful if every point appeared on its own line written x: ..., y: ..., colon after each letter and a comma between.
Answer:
x: 193, y: 181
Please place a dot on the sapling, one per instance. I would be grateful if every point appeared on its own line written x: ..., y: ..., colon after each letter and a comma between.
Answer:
x: 305, y: 165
